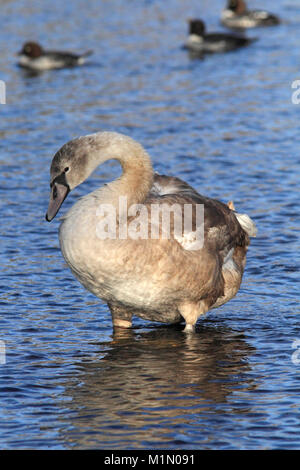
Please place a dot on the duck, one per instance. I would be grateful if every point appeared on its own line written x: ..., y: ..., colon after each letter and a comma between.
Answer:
x: 237, y: 15
x: 163, y: 277
x: 200, y: 42
x: 32, y: 56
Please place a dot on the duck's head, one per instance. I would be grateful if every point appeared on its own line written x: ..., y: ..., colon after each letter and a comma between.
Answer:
x: 196, y: 27
x: 237, y: 6
x: 31, y: 49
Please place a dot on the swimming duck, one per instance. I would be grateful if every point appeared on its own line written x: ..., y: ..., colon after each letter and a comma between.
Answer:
x: 200, y: 42
x: 236, y: 15
x: 34, y: 57
x: 154, y: 275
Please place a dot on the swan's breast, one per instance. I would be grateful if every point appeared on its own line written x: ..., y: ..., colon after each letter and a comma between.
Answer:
x: 110, y: 268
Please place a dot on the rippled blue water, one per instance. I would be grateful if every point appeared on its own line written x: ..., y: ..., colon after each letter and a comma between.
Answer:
x: 225, y: 124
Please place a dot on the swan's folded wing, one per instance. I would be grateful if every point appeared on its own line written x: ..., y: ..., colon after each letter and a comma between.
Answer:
x: 220, y: 226
x: 163, y: 185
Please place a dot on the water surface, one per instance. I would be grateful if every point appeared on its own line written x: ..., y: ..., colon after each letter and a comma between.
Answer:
x: 225, y: 124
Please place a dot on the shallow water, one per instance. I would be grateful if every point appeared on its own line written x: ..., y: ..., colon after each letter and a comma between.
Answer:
x: 225, y: 124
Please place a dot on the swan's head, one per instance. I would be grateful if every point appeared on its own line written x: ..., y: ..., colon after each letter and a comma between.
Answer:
x: 77, y: 159
x: 70, y: 166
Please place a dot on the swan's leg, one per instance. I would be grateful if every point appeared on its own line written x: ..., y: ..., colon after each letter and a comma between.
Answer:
x: 121, y: 317
x: 191, y: 312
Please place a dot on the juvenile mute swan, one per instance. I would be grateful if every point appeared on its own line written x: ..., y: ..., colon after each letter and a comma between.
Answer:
x: 164, y: 277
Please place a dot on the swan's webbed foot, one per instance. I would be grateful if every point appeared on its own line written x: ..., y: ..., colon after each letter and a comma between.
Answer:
x: 118, y: 323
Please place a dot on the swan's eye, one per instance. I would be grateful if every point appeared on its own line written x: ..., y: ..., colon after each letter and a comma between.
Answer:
x: 66, y: 169
x: 54, y: 192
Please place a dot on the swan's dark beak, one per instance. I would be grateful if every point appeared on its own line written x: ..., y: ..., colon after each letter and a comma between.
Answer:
x: 58, y: 194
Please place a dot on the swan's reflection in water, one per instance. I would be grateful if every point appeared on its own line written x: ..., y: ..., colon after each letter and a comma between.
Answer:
x: 155, y: 389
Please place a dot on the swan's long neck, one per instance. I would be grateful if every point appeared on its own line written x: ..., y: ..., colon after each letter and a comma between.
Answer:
x: 137, y: 177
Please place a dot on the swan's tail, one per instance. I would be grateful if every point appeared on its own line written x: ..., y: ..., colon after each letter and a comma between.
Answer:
x: 245, y: 222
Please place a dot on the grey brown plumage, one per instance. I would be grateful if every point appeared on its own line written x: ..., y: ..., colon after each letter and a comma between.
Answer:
x: 158, y: 279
